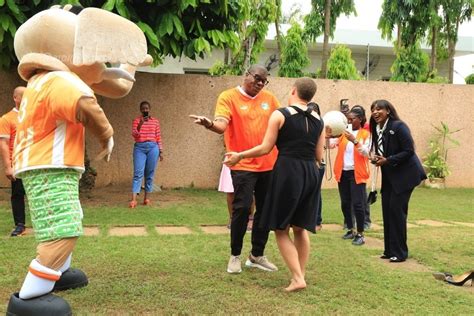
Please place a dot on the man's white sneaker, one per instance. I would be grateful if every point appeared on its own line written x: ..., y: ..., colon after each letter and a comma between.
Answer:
x: 234, y: 265
x: 261, y: 263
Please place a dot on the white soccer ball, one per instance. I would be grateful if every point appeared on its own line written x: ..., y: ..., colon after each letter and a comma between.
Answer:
x: 335, y: 123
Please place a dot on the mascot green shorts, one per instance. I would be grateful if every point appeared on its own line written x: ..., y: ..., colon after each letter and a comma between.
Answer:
x: 53, y: 199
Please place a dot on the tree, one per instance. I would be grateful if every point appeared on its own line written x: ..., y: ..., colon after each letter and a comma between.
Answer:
x: 411, y: 17
x: 175, y: 27
x: 410, y: 65
x: 294, y: 56
x: 341, y: 65
x: 433, y: 36
x: 251, y: 26
x: 322, y: 20
x: 278, y: 17
x: 454, y: 12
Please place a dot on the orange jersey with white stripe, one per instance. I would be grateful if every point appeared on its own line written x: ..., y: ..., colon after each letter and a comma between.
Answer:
x: 48, y: 133
x: 247, y: 123
x: 8, y: 124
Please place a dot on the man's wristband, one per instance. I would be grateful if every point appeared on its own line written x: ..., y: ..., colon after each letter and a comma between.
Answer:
x: 241, y: 156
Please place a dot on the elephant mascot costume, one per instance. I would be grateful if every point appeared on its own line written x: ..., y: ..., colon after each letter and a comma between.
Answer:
x: 67, y: 55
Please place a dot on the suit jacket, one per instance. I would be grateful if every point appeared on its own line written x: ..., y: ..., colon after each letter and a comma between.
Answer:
x: 403, y: 168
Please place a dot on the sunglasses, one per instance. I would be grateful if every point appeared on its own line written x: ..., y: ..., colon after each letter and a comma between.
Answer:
x: 257, y: 78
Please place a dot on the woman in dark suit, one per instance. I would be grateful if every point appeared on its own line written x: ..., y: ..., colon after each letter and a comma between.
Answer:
x: 394, y: 152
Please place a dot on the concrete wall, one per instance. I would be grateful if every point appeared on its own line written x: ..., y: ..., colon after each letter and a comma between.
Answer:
x: 192, y: 155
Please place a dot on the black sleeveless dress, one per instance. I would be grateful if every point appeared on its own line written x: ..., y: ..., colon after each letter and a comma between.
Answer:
x: 294, y: 193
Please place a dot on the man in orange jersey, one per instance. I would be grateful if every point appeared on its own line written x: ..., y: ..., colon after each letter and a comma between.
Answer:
x: 8, y: 124
x: 242, y: 114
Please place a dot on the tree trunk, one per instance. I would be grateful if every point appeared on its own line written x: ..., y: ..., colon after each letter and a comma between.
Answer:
x: 434, y: 39
x: 399, y: 36
x: 451, y: 51
x: 327, y: 20
x: 277, y: 28
x: 226, y: 55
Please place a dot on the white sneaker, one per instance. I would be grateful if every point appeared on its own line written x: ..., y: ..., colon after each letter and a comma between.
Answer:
x: 261, y: 263
x: 234, y: 265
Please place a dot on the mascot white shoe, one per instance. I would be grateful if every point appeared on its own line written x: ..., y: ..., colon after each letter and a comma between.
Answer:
x: 63, y: 53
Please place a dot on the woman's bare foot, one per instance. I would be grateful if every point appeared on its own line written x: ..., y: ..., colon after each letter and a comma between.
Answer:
x: 296, y: 285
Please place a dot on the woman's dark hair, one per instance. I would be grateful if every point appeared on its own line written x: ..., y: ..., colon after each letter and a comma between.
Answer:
x: 359, y: 112
x: 143, y: 103
x: 392, y: 114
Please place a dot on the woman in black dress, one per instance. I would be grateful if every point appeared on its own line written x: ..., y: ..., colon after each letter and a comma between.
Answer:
x: 294, y: 192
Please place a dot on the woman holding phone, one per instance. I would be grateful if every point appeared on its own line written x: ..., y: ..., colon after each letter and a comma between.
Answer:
x: 351, y: 170
x: 402, y: 171
x: 147, y: 149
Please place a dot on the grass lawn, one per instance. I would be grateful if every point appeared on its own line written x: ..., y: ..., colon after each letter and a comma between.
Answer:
x: 186, y: 274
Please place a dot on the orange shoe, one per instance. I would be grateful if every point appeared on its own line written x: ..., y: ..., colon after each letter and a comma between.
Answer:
x: 132, y: 204
x: 146, y: 202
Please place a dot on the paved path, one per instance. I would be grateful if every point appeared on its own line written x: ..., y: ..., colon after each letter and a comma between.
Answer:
x: 141, y: 230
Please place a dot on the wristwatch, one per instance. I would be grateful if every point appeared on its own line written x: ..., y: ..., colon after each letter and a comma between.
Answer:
x: 355, y: 142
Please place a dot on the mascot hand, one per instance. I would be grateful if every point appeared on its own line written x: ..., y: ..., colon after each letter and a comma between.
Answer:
x: 107, y: 146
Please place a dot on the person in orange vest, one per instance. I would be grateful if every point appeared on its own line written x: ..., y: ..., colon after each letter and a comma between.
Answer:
x: 351, y: 170
x: 8, y: 123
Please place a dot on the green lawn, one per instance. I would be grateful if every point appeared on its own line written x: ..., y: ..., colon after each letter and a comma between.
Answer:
x: 186, y: 274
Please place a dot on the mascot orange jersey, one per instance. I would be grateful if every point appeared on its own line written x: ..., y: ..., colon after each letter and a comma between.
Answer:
x: 51, y: 137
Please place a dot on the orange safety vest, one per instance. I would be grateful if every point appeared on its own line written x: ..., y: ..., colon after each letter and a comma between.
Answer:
x: 361, y: 162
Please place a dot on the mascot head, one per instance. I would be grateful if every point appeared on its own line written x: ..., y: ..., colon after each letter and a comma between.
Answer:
x: 102, y: 48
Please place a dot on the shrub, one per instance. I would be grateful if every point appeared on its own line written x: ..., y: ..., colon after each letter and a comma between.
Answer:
x: 410, y: 65
x: 341, y: 65
x: 469, y: 79
x: 294, y: 55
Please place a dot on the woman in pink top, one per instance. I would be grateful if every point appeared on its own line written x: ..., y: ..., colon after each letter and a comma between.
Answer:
x: 147, y: 149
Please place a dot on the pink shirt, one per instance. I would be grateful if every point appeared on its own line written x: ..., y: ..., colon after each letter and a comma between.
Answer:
x: 149, y: 131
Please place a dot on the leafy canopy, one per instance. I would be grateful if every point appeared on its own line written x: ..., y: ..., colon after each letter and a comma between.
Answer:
x: 410, y: 65
x: 173, y: 27
x: 341, y: 65
x: 294, y: 55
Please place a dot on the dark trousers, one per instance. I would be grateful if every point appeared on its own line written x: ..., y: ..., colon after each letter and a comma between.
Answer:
x: 353, y: 198
x: 368, y: 221
x: 246, y: 185
x: 18, y: 202
x: 395, y: 213
x: 319, y: 218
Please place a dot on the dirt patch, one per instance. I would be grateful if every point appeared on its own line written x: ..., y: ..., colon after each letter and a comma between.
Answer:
x: 410, y: 225
x: 173, y: 230
x: 410, y: 265
x: 114, y: 195
x: 374, y: 243
x: 215, y: 229
x: 464, y: 224
x: 332, y: 227
x: 91, y: 231
x: 128, y: 231
x: 375, y: 226
x: 429, y: 222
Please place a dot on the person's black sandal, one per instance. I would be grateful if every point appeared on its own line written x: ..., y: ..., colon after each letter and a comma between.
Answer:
x: 461, y: 279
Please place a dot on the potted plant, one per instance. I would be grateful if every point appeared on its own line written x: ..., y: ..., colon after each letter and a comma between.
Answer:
x: 435, y: 161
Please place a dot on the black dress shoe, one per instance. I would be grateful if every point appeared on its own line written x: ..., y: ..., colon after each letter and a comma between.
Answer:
x: 396, y: 259
x: 384, y: 256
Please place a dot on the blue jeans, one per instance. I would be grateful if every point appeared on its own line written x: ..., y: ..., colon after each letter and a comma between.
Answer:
x: 145, y: 159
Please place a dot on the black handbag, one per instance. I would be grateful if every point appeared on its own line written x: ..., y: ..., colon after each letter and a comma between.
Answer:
x: 372, y: 197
